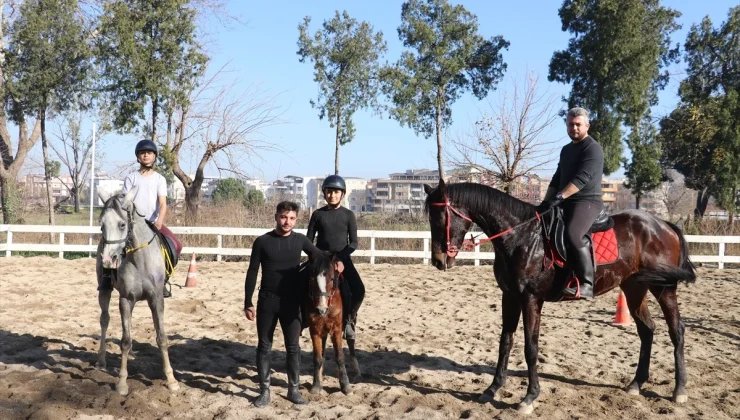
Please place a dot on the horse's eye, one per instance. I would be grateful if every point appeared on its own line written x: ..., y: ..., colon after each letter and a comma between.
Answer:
x: 121, y: 225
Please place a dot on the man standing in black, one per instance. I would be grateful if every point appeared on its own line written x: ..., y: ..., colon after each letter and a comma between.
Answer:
x: 576, y: 186
x: 337, y: 232
x: 279, y: 253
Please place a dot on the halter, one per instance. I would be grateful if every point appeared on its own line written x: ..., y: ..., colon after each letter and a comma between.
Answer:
x: 452, y: 250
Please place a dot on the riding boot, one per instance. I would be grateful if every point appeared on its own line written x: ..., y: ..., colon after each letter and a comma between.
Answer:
x: 583, y: 268
x: 106, y: 280
x: 263, y: 371
x: 166, y: 289
x: 294, y: 363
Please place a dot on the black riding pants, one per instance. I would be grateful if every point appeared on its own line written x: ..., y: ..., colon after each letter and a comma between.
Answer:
x: 272, y: 308
x: 351, y: 288
x: 578, y: 217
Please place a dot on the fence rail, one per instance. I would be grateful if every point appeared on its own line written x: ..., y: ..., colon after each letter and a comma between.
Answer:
x: 219, y: 251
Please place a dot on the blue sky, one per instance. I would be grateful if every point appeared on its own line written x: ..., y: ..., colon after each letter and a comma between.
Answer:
x: 263, y: 52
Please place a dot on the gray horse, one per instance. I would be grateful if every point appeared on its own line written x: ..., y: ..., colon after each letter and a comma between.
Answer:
x: 132, y: 249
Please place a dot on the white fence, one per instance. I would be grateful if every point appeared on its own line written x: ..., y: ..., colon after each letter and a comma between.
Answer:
x: 9, y: 246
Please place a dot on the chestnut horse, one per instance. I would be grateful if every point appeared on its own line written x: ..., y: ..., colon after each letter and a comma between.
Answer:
x: 323, y: 309
x: 652, y: 256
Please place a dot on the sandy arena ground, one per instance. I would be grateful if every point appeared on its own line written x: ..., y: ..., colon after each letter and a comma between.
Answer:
x: 428, y: 344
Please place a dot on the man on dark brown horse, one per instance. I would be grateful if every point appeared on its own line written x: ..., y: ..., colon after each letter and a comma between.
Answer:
x: 576, y: 187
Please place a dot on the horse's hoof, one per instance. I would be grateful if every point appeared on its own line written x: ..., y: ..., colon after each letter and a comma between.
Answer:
x: 173, y: 386
x: 525, y: 409
x: 632, y: 390
x: 680, y: 398
x: 100, y: 365
x: 486, y: 397
x: 346, y: 389
x: 122, y: 390
x: 315, y: 390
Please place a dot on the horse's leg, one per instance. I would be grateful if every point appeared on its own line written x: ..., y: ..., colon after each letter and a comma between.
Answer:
x: 531, y: 311
x: 511, y: 310
x: 318, y: 361
x: 104, y: 302
x: 156, y: 304
x: 126, y: 307
x: 635, y: 294
x: 669, y: 304
x: 357, y: 374
x: 336, y: 340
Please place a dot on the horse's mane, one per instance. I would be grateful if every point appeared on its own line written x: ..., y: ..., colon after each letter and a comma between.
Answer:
x: 482, y: 199
x: 320, y: 264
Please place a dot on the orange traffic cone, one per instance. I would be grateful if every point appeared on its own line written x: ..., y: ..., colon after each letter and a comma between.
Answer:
x: 623, y: 313
x: 192, y: 274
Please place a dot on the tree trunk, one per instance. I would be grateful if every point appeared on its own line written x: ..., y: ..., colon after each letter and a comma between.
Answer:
x: 439, y: 136
x: 11, y: 198
x: 637, y: 202
x: 193, y: 199
x: 47, y: 169
x: 77, y: 199
x: 155, y: 109
x: 702, y: 199
x: 336, y: 149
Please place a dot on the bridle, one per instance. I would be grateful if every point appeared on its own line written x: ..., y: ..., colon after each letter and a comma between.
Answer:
x: 319, y: 295
x: 127, y: 239
x: 452, y: 250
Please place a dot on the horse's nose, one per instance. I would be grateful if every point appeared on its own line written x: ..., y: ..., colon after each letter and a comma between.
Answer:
x: 323, y: 311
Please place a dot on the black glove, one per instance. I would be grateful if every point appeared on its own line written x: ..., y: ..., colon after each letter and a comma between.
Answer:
x: 546, y: 205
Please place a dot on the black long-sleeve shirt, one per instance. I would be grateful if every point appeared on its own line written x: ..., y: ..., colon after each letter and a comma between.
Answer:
x: 279, y: 257
x: 581, y: 164
x: 337, y: 230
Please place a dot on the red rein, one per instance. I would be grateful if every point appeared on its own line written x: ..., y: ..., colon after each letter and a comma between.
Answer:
x: 452, y: 250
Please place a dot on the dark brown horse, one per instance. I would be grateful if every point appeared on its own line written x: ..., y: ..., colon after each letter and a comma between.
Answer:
x: 653, y: 256
x: 323, y: 308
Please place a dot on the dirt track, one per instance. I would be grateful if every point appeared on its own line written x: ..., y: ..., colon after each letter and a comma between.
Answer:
x: 428, y: 345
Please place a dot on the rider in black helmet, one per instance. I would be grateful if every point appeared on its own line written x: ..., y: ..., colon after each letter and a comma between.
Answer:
x: 336, y: 227
x: 150, y: 200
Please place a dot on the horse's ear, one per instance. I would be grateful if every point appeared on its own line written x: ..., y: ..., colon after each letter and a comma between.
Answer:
x: 104, y: 196
x: 441, y: 187
x: 129, y: 197
x: 428, y: 189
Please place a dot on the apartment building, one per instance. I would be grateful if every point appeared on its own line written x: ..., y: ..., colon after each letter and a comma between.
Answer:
x: 402, y: 192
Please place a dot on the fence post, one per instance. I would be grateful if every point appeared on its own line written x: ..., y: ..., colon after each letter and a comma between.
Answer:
x: 219, y: 239
x: 372, y: 250
x: 9, y: 242
x: 721, y: 264
x: 61, y: 245
x: 426, y: 251
x: 477, y: 253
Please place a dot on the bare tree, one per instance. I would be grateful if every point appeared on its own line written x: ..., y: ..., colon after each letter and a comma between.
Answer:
x: 219, y: 127
x: 508, y: 141
x: 73, y: 149
x: 678, y: 199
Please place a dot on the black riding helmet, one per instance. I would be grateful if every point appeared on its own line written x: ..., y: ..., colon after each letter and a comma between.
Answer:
x: 146, y: 146
x: 334, y: 181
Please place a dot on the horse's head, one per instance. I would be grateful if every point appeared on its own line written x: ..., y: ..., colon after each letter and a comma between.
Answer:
x: 115, y: 225
x: 448, y: 224
x: 323, y: 281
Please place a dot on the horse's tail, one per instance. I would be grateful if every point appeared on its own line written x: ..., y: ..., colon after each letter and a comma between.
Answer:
x: 683, y: 260
x: 665, y: 275
x: 670, y: 275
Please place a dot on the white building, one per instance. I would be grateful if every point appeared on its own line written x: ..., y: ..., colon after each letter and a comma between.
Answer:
x: 105, y: 184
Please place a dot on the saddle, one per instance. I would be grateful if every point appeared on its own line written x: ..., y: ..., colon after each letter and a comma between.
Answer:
x: 170, y: 249
x: 600, y: 239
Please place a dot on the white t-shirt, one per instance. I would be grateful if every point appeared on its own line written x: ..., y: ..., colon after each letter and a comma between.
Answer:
x: 150, y: 188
